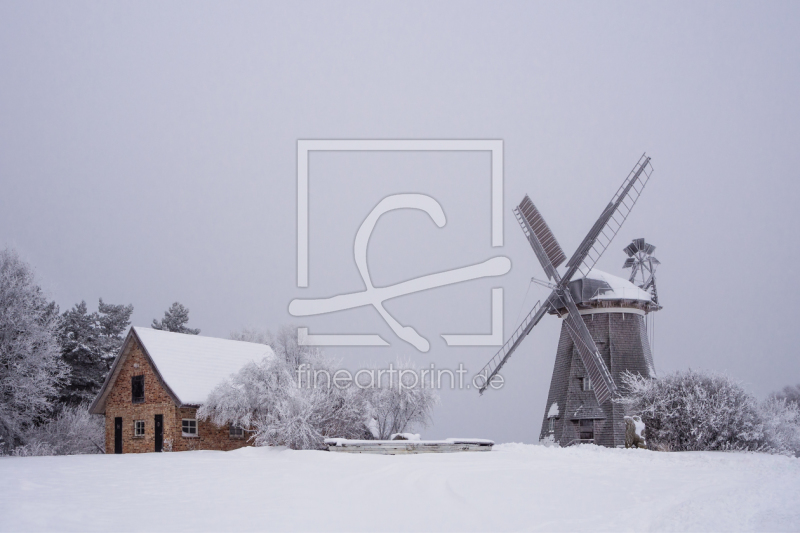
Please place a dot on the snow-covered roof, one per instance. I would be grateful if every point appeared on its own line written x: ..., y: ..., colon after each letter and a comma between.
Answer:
x: 192, y: 365
x: 621, y: 289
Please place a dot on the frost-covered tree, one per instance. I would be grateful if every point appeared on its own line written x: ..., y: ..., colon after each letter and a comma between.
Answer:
x: 175, y: 320
x: 282, y: 409
x: 401, y: 404
x: 284, y: 343
x: 789, y: 393
x: 73, y: 431
x: 31, y: 369
x: 89, y: 344
x: 291, y: 399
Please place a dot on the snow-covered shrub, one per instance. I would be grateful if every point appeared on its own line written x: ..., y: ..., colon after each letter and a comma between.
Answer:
x: 30, y: 366
x: 781, y: 420
x: 73, y: 431
x: 695, y: 411
x: 402, y: 404
x: 34, y: 449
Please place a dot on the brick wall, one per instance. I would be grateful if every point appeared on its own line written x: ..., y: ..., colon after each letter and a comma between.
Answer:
x: 156, y: 401
x: 209, y: 436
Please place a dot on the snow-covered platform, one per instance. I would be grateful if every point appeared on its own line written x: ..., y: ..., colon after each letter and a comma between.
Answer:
x: 396, y: 447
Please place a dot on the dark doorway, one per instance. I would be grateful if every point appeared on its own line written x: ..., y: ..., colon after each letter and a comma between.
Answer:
x: 118, y: 435
x: 159, y: 432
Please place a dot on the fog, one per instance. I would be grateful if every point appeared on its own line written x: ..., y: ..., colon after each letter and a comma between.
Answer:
x: 148, y: 154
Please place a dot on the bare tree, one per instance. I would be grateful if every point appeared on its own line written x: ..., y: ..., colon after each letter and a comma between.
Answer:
x: 402, y: 404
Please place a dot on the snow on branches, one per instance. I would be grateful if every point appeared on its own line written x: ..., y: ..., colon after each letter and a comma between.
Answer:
x: 291, y: 400
x: 700, y: 411
x: 31, y: 369
x: 74, y: 431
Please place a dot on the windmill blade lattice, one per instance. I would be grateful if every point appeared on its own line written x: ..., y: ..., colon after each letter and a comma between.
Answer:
x: 608, y: 225
x: 494, y: 365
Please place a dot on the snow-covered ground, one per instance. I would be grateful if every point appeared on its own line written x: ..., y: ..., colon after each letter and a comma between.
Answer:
x: 514, y: 487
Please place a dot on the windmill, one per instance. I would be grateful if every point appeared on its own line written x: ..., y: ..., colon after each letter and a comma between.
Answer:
x: 641, y: 261
x: 582, y: 384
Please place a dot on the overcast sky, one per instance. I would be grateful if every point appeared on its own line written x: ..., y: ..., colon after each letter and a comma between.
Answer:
x: 148, y: 155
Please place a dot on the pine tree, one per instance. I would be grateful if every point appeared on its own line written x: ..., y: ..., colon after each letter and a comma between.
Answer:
x: 79, y: 350
x: 175, y: 319
x: 89, y: 344
x: 112, y: 322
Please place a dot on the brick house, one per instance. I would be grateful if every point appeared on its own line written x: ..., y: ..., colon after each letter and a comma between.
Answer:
x: 156, y: 384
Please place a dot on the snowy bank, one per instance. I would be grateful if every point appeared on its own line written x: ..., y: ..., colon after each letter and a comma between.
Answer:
x: 514, y: 487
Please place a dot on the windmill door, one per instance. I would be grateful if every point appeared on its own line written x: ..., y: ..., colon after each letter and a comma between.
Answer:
x: 587, y: 429
x: 118, y: 435
x: 159, y: 425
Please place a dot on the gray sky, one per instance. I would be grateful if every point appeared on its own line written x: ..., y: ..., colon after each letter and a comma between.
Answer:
x: 147, y: 155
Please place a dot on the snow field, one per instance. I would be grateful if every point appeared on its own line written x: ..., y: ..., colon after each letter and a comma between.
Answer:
x: 515, y: 487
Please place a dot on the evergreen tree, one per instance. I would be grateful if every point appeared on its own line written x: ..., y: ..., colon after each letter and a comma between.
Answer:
x: 89, y: 344
x: 175, y: 319
x: 112, y: 322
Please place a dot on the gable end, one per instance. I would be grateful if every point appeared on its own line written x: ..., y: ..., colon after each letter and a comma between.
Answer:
x: 98, y: 406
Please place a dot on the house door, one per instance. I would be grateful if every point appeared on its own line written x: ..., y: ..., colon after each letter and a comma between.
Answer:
x: 159, y: 432
x: 118, y: 435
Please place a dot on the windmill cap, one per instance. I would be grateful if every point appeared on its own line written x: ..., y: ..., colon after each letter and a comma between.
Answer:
x: 601, y: 289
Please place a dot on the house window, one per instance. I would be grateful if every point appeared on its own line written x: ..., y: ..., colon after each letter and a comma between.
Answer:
x: 552, y: 424
x: 236, y: 432
x: 586, y: 384
x: 587, y: 429
x: 189, y: 427
x: 138, y: 428
x: 137, y: 389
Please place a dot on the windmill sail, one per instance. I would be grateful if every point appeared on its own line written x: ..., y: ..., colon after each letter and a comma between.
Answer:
x: 542, y: 240
x: 494, y: 365
x: 608, y: 225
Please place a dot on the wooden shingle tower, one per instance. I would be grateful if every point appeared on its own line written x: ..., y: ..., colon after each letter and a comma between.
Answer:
x: 603, y: 332
x: 614, y: 311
